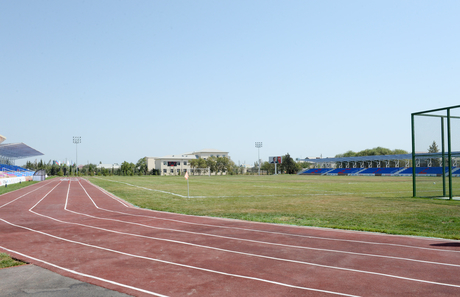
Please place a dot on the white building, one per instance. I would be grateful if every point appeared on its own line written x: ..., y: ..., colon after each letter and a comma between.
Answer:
x: 114, y: 166
x: 179, y: 164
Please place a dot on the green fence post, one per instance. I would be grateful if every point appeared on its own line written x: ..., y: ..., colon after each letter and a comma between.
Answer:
x: 414, y: 191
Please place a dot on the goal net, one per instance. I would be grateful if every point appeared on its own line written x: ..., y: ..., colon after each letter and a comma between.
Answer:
x: 436, y: 152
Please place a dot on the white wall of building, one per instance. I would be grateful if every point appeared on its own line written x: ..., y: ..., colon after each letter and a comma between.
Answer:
x: 182, y: 161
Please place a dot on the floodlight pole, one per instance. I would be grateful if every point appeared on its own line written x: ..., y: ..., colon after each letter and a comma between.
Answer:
x: 76, y: 140
x: 258, y: 146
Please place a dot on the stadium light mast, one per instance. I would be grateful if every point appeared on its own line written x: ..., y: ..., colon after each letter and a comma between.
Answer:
x: 76, y: 140
x: 258, y: 146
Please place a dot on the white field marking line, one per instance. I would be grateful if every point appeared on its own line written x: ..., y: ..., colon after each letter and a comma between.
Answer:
x: 240, y: 196
x: 24, y: 195
x: 269, y: 232
x: 168, y: 262
x: 165, y: 192
x: 117, y: 199
x: 182, y: 196
x: 248, y: 240
x: 82, y: 274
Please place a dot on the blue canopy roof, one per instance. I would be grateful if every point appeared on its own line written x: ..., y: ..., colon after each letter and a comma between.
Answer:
x: 18, y: 151
x: 379, y: 158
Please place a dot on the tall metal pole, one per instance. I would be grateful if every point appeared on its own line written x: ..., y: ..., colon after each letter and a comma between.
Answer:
x: 443, y: 164
x: 258, y: 146
x: 414, y: 187
x: 449, y: 153
x: 76, y: 140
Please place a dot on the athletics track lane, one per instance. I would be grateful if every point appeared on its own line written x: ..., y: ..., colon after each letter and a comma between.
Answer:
x: 78, y: 230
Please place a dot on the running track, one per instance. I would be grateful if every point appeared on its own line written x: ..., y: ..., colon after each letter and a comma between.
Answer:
x: 79, y: 230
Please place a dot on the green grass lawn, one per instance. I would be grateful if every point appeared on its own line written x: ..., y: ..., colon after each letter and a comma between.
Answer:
x: 380, y: 204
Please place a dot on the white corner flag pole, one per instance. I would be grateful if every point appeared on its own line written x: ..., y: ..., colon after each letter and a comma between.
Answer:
x: 188, y: 188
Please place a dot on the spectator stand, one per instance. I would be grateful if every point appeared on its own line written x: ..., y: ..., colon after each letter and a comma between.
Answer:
x: 9, y: 153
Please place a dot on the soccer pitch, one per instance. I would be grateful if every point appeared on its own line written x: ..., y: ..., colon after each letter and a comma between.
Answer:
x: 380, y: 204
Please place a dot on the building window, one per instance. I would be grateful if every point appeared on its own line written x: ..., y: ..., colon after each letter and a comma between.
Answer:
x: 185, y: 162
x: 185, y: 170
x: 164, y: 170
x: 178, y: 163
x: 164, y: 163
x: 172, y: 170
x: 178, y: 171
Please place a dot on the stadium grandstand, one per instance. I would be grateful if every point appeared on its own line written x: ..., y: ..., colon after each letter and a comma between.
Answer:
x: 9, y: 153
x: 382, y: 165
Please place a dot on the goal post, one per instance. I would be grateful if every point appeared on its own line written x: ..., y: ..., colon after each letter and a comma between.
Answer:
x: 435, y: 152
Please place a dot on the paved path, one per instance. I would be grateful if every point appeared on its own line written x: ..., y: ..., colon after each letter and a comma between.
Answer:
x: 78, y: 230
x: 34, y: 281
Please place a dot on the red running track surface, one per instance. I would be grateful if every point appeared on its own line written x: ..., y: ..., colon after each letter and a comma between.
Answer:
x: 78, y: 230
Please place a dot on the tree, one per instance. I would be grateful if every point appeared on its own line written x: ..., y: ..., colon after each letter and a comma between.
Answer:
x: 433, y: 148
x: 231, y: 167
x: 223, y: 164
x: 127, y: 168
x: 211, y: 164
x: 289, y: 165
x: 377, y: 151
x: 269, y: 167
x: 193, y: 164
x: 202, y: 163
x: 141, y: 166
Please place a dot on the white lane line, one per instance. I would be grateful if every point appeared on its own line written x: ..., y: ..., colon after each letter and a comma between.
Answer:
x: 175, y: 264
x: 23, y: 195
x: 82, y: 274
x: 256, y: 255
x: 153, y: 259
x: 257, y: 241
x: 272, y: 232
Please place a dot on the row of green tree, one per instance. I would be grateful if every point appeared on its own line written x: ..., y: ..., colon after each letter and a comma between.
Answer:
x: 215, y: 165
x: 287, y: 166
x: 53, y: 169
x: 377, y: 151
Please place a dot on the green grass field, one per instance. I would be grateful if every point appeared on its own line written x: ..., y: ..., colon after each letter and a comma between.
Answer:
x: 380, y: 204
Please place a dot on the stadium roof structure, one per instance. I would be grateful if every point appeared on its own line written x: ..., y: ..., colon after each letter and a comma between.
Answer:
x: 18, y: 151
x: 379, y: 158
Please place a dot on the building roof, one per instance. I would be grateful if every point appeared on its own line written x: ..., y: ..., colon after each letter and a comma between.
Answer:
x: 177, y: 157
x: 210, y: 151
x: 18, y: 151
x: 190, y: 155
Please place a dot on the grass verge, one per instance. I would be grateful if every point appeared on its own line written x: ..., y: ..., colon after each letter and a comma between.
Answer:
x: 7, y: 261
x: 14, y: 187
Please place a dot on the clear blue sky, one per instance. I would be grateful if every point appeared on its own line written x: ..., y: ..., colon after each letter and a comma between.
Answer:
x: 152, y: 78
